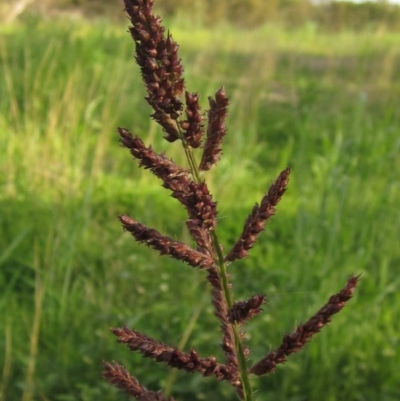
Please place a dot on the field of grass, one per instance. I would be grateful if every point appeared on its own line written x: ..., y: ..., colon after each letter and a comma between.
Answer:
x: 327, y: 105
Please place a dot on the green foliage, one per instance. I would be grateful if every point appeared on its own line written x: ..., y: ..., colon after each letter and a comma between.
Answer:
x: 327, y: 15
x: 348, y: 15
x: 324, y: 104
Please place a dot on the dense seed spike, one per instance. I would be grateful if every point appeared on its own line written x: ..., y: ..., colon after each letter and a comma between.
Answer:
x: 171, y: 356
x: 216, y: 130
x: 161, y: 68
x: 192, y: 126
x: 118, y: 376
x: 221, y: 312
x: 256, y: 220
x: 165, y: 245
x: 296, y: 340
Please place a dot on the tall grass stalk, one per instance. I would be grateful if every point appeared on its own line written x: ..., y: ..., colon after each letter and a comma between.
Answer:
x: 40, y: 288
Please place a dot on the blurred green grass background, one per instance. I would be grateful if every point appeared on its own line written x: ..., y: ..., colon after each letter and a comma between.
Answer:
x: 326, y: 104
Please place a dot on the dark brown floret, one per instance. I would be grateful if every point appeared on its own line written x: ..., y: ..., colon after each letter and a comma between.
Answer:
x: 244, y: 310
x: 221, y: 311
x: 192, y: 126
x: 202, y: 237
x: 199, y: 204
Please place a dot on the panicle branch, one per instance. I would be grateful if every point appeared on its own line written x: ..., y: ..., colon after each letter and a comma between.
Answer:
x: 256, y: 220
x: 165, y: 245
x: 118, y: 376
x: 161, y: 68
x: 221, y: 312
x: 296, y: 340
x: 174, y: 176
x: 194, y: 196
x: 192, y: 126
x: 244, y: 310
x: 174, y: 358
x: 216, y: 130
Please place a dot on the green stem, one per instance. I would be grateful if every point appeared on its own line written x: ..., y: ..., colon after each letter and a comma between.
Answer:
x: 247, y: 391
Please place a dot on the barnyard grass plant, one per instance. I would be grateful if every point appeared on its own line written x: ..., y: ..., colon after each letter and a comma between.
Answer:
x: 179, y: 114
